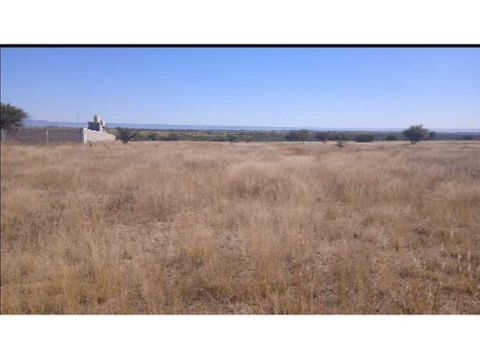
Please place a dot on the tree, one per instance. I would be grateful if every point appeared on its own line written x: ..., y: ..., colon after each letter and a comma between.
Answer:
x: 432, y: 135
x: 11, y: 116
x: 297, y: 135
x: 125, y: 135
x: 415, y: 133
x: 391, y: 137
x: 321, y: 136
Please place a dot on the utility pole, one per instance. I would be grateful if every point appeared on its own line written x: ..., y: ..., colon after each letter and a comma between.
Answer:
x: 78, y: 118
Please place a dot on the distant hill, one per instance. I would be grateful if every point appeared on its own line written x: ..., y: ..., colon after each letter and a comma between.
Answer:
x: 44, y: 123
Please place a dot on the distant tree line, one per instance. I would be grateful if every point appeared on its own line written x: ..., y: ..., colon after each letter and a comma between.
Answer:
x: 413, y: 134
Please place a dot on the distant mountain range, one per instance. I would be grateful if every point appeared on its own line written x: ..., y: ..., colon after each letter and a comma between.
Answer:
x: 45, y: 123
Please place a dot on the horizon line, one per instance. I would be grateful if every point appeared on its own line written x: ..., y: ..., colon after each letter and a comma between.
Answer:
x: 193, y: 126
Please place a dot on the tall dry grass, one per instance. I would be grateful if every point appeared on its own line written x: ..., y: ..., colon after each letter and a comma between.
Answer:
x: 241, y: 228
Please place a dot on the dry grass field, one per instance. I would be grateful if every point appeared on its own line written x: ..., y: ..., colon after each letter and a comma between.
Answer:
x: 284, y: 228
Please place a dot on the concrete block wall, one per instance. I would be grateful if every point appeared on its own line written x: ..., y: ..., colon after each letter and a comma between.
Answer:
x: 58, y: 134
x: 95, y: 136
x: 54, y: 135
x: 26, y: 135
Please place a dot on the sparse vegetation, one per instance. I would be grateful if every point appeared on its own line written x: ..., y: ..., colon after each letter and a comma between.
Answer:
x: 279, y: 135
x: 159, y: 227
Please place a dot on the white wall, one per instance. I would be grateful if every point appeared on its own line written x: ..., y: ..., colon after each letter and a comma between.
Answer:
x: 95, y: 136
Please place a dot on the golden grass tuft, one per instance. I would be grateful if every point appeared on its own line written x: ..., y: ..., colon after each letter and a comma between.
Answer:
x: 253, y: 228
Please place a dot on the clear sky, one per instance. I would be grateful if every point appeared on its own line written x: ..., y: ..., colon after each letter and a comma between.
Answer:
x: 304, y: 87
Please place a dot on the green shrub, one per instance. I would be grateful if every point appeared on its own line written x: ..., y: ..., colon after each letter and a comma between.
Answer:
x: 297, y: 135
x: 415, y: 133
x: 172, y: 137
x: 338, y: 136
x: 140, y: 137
x: 340, y: 143
x: 364, y: 138
x: 232, y: 138
x: 321, y: 136
x: 125, y: 135
x: 153, y: 137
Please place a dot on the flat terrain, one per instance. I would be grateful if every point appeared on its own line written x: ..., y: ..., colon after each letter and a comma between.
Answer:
x: 188, y: 227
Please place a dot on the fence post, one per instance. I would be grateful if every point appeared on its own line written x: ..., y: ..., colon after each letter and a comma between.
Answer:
x: 46, y: 136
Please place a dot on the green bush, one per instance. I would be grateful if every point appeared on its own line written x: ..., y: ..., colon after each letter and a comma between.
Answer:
x: 297, y: 135
x: 140, y: 137
x: 321, y: 136
x: 172, y: 137
x: 153, y: 137
x: 415, y: 133
x: 364, y: 138
x: 338, y: 136
x: 125, y: 135
x: 232, y: 138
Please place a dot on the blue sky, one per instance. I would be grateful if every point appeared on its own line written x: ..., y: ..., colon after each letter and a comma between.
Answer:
x: 304, y: 87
